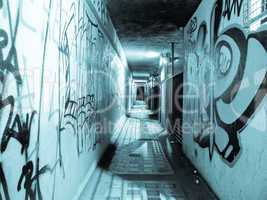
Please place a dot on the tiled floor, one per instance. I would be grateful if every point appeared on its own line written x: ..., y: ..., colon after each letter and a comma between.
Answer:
x: 111, y: 187
x: 140, y: 169
x: 141, y: 157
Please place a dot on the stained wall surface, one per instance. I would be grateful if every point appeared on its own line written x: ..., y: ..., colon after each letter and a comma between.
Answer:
x: 224, y: 129
x: 168, y: 89
x: 62, y: 79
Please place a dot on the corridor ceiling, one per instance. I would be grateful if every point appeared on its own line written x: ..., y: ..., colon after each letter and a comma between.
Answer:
x: 146, y: 28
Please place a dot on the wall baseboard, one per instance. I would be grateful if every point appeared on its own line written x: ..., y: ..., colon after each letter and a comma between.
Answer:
x: 85, y: 181
x: 89, y: 174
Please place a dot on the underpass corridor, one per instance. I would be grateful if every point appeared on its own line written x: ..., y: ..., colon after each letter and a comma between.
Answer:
x: 133, y: 99
x: 140, y: 168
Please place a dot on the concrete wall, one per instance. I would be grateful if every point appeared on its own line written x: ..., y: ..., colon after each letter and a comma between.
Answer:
x: 167, y: 91
x: 61, y: 67
x: 224, y: 127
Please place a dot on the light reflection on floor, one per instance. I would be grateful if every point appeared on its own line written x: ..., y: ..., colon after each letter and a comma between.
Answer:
x: 112, y: 187
x: 139, y: 155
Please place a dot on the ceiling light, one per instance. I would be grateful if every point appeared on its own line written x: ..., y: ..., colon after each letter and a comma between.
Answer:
x: 135, y: 54
x: 152, y: 54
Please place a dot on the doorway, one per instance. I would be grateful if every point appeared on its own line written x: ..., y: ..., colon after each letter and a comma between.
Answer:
x: 177, y: 107
x: 140, y: 93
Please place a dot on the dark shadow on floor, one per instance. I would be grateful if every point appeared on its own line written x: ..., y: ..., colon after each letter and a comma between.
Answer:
x: 186, y: 172
x: 107, y: 157
x: 128, y: 175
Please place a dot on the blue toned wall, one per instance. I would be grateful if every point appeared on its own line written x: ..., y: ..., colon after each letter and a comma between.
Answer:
x: 225, y: 121
x: 63, y: 78
x: 168, y: 88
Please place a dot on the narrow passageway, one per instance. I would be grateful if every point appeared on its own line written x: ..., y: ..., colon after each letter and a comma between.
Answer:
x: 133, y: 99
x: 141, y: 170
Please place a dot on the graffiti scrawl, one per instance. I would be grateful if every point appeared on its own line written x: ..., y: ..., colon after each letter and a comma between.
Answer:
x: 29, y: 178
x: 229, y: 50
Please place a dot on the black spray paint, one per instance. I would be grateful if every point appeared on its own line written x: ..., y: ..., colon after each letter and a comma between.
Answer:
x: 231, y: 151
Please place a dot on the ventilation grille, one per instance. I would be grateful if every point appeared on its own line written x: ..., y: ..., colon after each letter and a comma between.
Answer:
x: 178, y: 134
x: 255, y: 10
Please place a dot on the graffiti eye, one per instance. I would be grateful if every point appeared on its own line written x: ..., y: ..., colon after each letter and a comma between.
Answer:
x: 228, y: 63
x: 224, y: 60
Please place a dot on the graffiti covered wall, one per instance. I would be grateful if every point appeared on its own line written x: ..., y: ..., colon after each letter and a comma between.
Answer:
x: 61, y: 76
x: 225, y: 121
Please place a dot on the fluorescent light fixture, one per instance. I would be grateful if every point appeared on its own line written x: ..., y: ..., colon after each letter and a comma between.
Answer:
x: 140, y: 74
x: 152, y: 54
x: 142, y: 54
